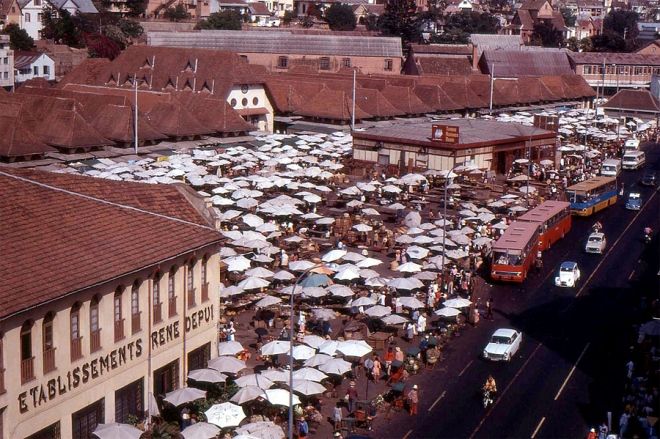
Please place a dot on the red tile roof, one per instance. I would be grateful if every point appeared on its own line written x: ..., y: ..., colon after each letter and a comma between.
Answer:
x: 634, y: 100
x: 62, y: 233
x: 373, y: 102
x: 332, y: 104
x: 405, y: 100
x: 18, y: 138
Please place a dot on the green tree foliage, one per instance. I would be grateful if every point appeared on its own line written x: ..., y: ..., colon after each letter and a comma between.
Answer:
x: 371, y: 23
x: 569, y: 18
x: 288, y: 17
x: 223, y: 20
x: 609, y: 41
x: 459, y: 26
x: 101, y: 46
x: 176, y: 13
x: 622, y: 22
x: 64, y: 29
x: 546, y: 34
x: 340, y: 17
x: 18, y: 38
x: 115, y: 34
x: 400, y: 19
x: 136, y: 7
x: 130, y: 28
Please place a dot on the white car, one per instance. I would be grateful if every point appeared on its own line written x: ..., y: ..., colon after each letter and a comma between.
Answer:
x: 503, y: 345
x: 596, y: 243
x: 569, y: 274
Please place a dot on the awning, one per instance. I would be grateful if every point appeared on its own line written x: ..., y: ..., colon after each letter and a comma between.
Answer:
x: 252, y: 111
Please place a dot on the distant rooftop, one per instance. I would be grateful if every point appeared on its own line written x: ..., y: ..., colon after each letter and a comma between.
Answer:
x: 280, y: 42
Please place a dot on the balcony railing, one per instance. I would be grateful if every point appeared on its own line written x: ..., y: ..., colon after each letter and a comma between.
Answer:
x: 119, y: 330
x: 158, y: 313
x: 191, y: 297
x: 76, y: 349
x: 135, y: 322
x: 95, y: 342
x: 171, y: 306
x: 27, y: 370
x: 49, y: 360
x: 205, y: 292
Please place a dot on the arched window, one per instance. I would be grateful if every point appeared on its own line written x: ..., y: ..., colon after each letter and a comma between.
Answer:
x: 76, y: 337
x: 190, y: 283
x: 157, y: 304
x: 171, y: 292
x: 135, y: 307
x: 204, y: 279
x: 118, y: 314
x: 94, y: 325
x: 27, y: 359
x: 49, y: 343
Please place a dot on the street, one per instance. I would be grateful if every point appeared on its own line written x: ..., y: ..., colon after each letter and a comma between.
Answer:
x: 569, y: 371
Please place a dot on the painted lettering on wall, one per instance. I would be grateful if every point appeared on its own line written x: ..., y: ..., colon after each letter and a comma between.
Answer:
x: 93, y: 369
x: 172, y: 331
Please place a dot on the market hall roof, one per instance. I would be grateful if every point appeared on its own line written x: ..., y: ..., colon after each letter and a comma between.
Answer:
x: 516, y: 63
x: 472, y: 133
x: 62, y: 233
x: 598, y: 58
x: 280, y: 42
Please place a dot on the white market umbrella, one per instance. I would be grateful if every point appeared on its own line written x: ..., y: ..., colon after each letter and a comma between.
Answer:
x: 237, y: 263
x: 347, y: 274
x: 317, y: 360
x: 376, y: 282
x: 363, y: 301
x: 335, y: 366
x: 253, y: 283
x: 200, y: 430
x: 283, y: 275
x: 309, y: 373
x: 227, y: 364
x: 378, y: 311
x: 411, y: 302
x: 279, y: 397
x: 225, y: 415
x: 340, y: 290
x: 246, y: 394
x: 117, y: 431
x: 252, y: 220
x: 254, y: 379
x: 313, y: 340
x: 207, y: 376
x: 229, y: 348
x: 275, y: 347
x: 413, y: 219
x: 324, y: 313
x: 410, y: 267
x: 303, y: 352
x: 262, y: 430
x: 231, y: 290
x: 329, y: 347
x: 353, y: 257
x: 276, y: 375
x: 307, y: 387
x: 368, y: 262
x: 300, y: 265
x: 363, y: 228
x: 405, y: 283
x: 367, y: 273
x: 259, y: 272
x: 333, y: 255
x: 268, y: 301
x: 182, y: 396
x: 457, y: 303
x: 354, y: 348
x: 417, y: 252
x: 394, y: 319
x: 447, y: 312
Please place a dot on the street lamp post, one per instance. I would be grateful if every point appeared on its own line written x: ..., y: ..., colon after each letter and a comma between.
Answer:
x: 444, y: 213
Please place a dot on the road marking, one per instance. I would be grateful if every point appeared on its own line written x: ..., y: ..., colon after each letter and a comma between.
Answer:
x: 607, y: 254
x: 538, y: 427
x: 407, y: 434
x: 631, y: 275
x: 465, y: 368
x: 499, y: 397
x: 437, y: 400
x: 571, y: 372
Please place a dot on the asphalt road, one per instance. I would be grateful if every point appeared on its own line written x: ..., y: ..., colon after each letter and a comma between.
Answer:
x: 569, y: 371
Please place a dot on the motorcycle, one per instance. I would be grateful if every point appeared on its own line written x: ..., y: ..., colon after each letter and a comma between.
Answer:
x: 488, y: 398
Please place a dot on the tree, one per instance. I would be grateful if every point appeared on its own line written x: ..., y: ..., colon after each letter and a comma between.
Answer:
x: 569, y: 18
x: 223, y: 20
x: 459, y: 26
x: 62, y: 28
x: 130, y: 28
x: 400, y: 19
x: 371, y: 23
x: 608, y: 41
x: 340, y: 17
x: 18, y: 38
x: 623, y: 23
x: 176, y: 13
x: 136, y: 7
x: 546, y: 34
x: 288, y: 17
x: 101, y: 46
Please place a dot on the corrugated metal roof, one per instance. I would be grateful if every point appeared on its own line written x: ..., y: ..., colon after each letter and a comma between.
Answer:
x: 280, y: 42
x: 22, y: 61
x: 614, y: 58
x: 496, y: 41
x: 516, y: 64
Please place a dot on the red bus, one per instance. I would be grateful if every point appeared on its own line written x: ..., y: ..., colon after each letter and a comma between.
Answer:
x: 515, y: 252
x: 554, y: 218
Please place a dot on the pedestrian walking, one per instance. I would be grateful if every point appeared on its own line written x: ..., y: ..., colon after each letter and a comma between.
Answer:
x: 336, y: 416
x: 489, y: 309
x: 413, y: 400
x: 376, y: 368
x: 351, y: 395
x: 388, y: 358
x: 303, y: 428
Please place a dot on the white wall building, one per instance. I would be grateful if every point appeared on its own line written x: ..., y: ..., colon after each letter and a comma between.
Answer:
x: 29, y: 65
x: 6, y: 64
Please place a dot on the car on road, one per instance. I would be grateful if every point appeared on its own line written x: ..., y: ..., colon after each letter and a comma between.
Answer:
x: 596, y: 243
x: 649, y: 179
x: 569, y: 274
x: 634, y: 201
x: 503, y: 345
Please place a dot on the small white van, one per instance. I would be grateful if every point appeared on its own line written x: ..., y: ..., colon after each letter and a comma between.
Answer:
x: 631, y: 145
x: 633, y: 160
x: 611, y: 168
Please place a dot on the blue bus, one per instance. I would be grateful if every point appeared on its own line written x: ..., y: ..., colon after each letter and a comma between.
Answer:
x: 590, y: 196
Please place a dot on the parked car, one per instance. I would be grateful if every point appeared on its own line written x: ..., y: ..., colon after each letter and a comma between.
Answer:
x: 596, y: 243
x: 503, y: 345
x: 649, y: 179
x: 634, y: 201
x: 569, y: 274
